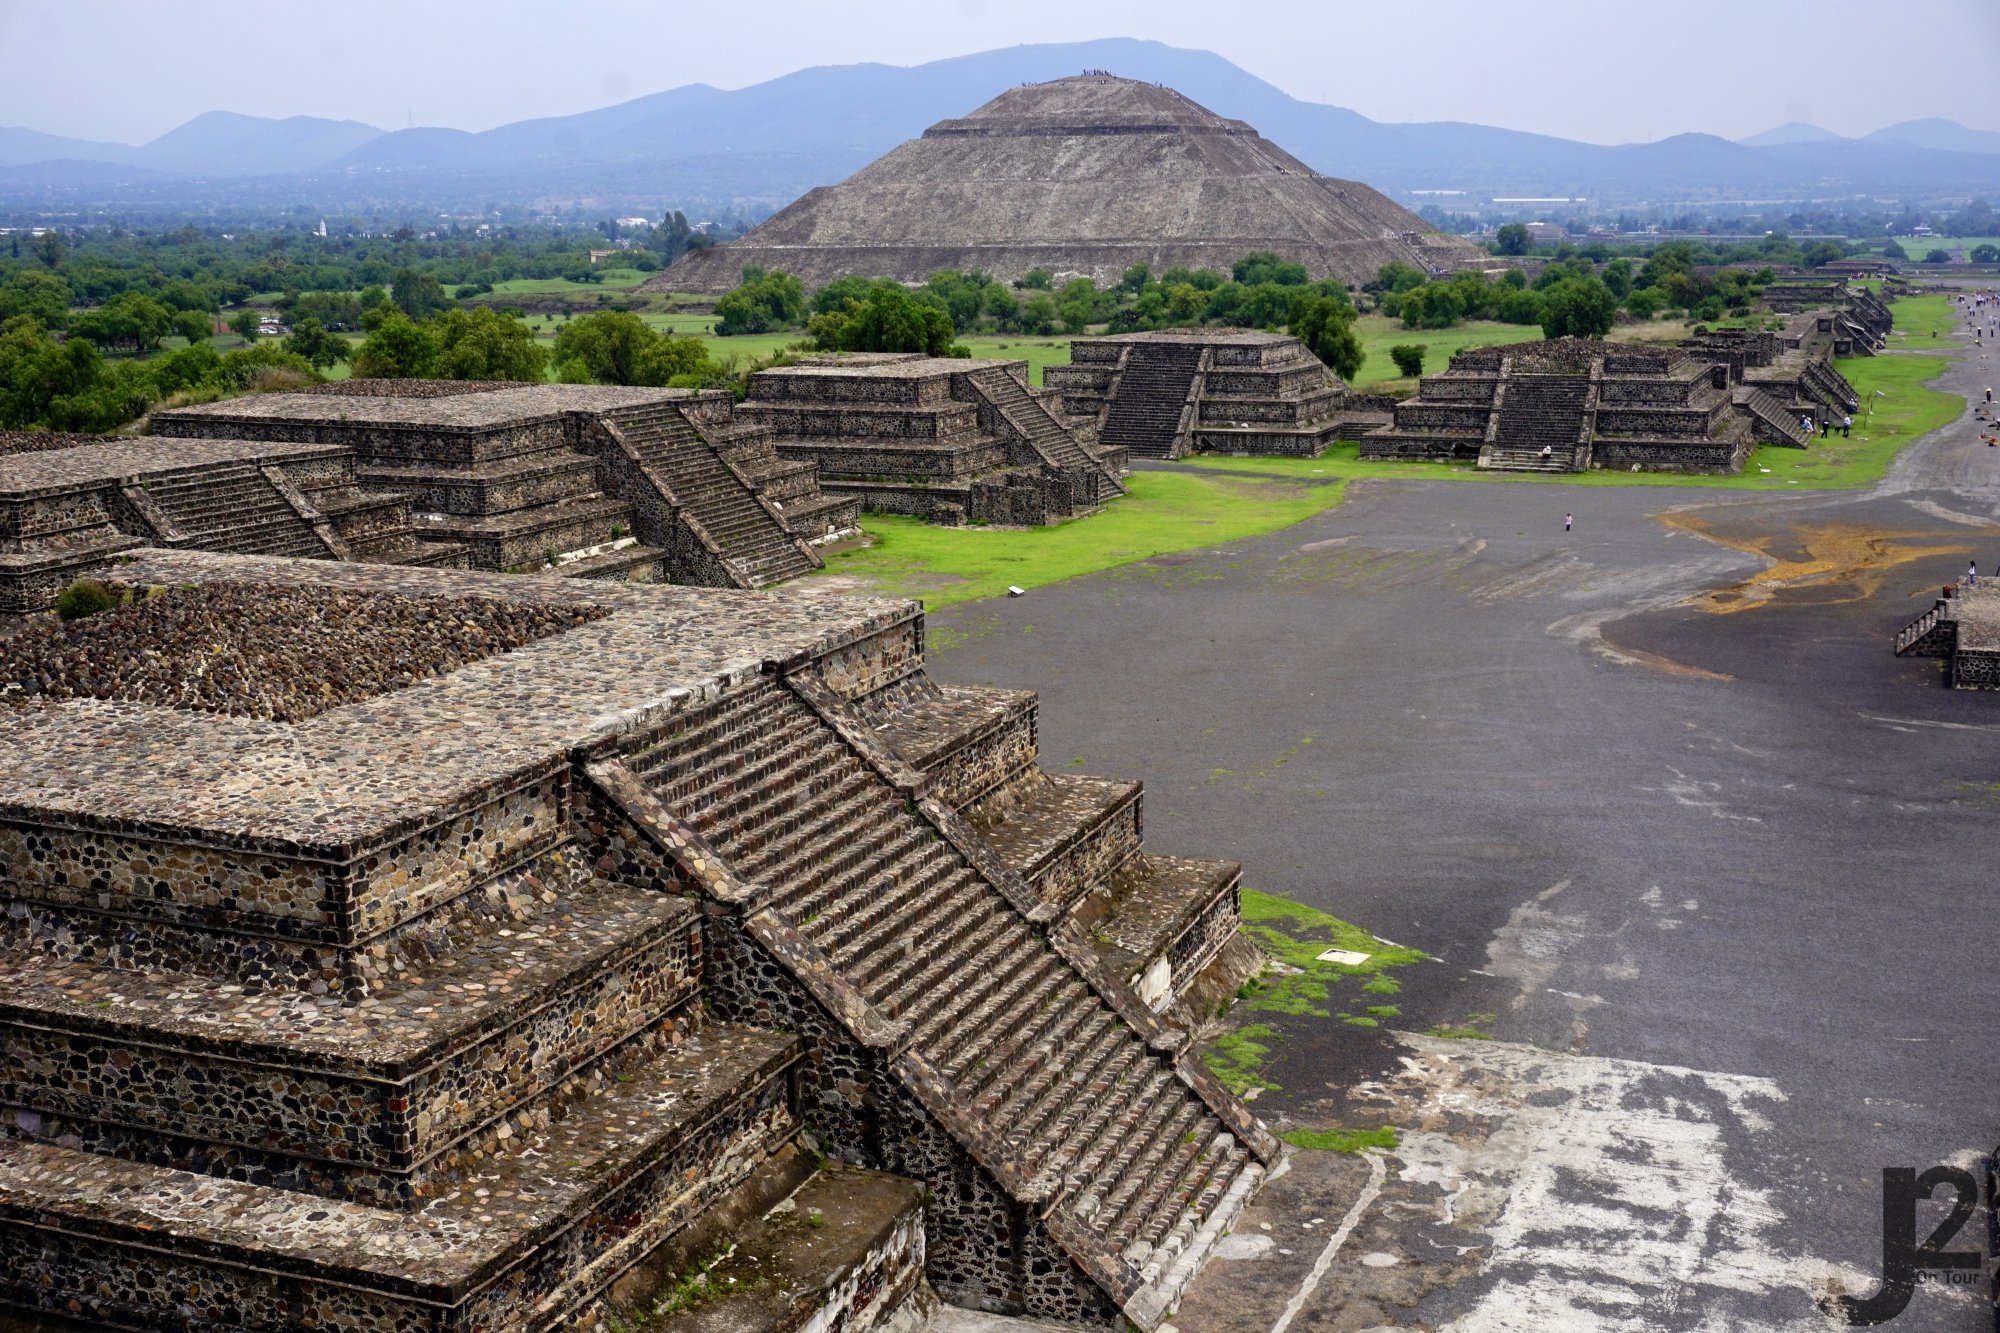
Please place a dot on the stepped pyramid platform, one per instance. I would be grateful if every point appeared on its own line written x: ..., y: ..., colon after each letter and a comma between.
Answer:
x: 1571, y: 403
x: 943, y: 438
x: 1086, y: 175
x: 1222, y: 391
x: 1778, y: 378
x: 591, y: 481
x: 1963, y: 629
x: 1846, y: 319
x: 472, y: 952
x: 66, y: 511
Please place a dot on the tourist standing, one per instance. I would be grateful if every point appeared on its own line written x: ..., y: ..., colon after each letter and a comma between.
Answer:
x: 1568, y: 520
x: 1972, y: 575
x: 1846, y: 427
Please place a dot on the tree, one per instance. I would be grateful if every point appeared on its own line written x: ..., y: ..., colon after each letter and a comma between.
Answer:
x: 1820, y: 253
x: 1435, y: 305
x: 33, y: 292
x: 1578, y: 308
x: 1261, y: 266
x: 132, y: 321
x: 765, y: 301
x: 48, y: 385
x: 319, y: 349
x: 418, y: 295
x: 398, y: 349
x: 1644, y: 303
x: 193, y: 325
x: 1511, y: 239
x: 616, y: 347
x: 1036, y: 279
x: 1985, y: 254
x: 1936, y: 257
x: 839, y: 294
x: 483, y: 344
x: 246, y: 324
x: 1895, y: 251
x: 1409, y: 358
x: 890, y: 319
x: 1325, y: 324
x: 1396, y: 276
x: 1617, y: 276
x: 1038, y: 314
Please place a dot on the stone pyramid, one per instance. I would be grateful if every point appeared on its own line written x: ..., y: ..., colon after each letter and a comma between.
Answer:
x: 1086, y: 175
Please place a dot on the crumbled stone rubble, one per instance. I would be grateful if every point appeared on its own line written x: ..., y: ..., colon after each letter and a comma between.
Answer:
x: 267, y: 651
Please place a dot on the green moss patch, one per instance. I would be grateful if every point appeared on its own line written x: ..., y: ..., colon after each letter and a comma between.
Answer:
x: 1342, y: 1140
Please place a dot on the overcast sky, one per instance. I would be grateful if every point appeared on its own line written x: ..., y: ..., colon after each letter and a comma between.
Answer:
x: 1609, y: 71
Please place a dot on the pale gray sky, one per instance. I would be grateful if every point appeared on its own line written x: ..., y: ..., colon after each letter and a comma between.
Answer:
x: 1608, y: 71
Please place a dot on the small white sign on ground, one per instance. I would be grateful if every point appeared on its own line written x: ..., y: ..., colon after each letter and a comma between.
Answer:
x: 1345, y: 957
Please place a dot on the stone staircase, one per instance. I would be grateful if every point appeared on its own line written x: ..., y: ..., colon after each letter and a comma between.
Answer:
x: 1776, y: 417
x: 1539, y: 411
x: 707, y: 488
x: 1932, y: 634
x: 1049, y: 437
x: 790, y: 485
x: 1144, y: 414
x: 1128, y: 1163
x: 234, y: 508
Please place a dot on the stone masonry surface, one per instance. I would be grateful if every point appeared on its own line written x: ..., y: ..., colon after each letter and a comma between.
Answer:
x: 266, y: 651
x: 427, y: 1009
x: 354, y: 771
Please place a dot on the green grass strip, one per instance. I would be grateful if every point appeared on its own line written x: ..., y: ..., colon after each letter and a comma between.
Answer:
x: 1163, y: 512
x: 1342, y: 1140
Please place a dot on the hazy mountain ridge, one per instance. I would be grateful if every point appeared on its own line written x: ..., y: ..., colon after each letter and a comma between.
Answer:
x: 772, y: 141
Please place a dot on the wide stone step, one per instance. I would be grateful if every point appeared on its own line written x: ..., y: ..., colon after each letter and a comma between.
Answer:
x: 845, y: 1252
x: 563, y: 973
x: 526, y: 1239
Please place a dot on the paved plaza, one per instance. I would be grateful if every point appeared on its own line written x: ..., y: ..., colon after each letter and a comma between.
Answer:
x: 1658, y: 798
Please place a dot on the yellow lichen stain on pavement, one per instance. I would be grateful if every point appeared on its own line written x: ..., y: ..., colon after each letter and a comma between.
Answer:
x: 1845, y: 558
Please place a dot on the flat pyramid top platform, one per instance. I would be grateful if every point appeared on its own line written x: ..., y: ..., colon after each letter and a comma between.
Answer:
x: 1082, y: 176
x: 499, y: 404
x: 1087, y: 103
x: 365, y: 769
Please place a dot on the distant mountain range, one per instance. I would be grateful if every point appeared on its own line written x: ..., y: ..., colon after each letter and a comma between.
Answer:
x: 1944, y: 136
x: 759, y: 147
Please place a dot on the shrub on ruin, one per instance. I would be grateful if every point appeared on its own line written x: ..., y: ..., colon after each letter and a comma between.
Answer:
x: 86, y: 597
x: 1409, y: 358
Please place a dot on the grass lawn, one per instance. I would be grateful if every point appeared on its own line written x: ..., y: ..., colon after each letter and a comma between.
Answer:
x: 1922, y: 322
x: 1163, y: 512
x: 615, y: 280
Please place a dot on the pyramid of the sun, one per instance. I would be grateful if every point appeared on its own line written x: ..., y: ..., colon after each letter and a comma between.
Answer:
x: 1087, y: 175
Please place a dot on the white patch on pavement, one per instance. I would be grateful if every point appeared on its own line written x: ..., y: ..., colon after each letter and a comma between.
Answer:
x: 1604, y: 1188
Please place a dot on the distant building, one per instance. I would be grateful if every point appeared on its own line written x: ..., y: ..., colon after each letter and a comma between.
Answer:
x: 1547, y: 231
x: 635, y: 222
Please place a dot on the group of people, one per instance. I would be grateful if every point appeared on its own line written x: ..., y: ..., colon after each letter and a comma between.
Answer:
x: 1826, y: 426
